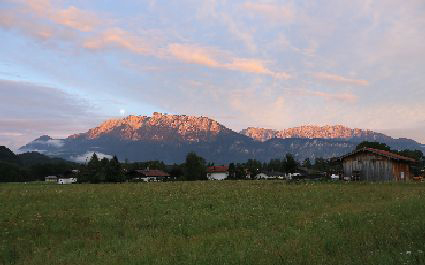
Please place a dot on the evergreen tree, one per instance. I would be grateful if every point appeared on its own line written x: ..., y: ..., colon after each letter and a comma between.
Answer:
x: 177, y: 171
x: 115, y: 173
x: 195, y: 167
x: 289, y: 164
x: 93, y: 166
x: 232, y: 171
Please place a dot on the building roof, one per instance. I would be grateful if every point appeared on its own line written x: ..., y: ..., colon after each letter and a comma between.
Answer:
x: 153, y: 173
x: 380, y: 153
x: 218, y: 169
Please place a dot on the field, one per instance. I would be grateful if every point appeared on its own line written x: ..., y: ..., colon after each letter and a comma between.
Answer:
x: 228, y: 222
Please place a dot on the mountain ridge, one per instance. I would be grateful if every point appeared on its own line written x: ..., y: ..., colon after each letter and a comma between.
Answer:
x: 170, y: 137
x: 313, y: 132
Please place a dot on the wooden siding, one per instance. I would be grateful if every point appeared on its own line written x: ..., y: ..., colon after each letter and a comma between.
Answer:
x: 373, y: 167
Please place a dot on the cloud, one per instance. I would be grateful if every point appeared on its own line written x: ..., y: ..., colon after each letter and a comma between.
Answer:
x: 29, y: 110
x: 270, y: 11
x: 71, y: 16
x: 194, y: 54
x: 412, y: 133
x: 34, y: 28
x: 117, y: 37
x: 57, y: 143
x: 340, y: 79
x: 142, y: 43
x: 219, y: 59
x: 345, y: 97
x: 86, y: 157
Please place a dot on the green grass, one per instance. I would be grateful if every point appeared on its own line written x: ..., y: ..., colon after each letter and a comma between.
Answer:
x: 227, y: 222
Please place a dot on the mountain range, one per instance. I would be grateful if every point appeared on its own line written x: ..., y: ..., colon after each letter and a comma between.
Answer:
x: 170, y: 137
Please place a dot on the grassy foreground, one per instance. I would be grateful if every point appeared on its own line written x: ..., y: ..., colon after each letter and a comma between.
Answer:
x: 228, y: 222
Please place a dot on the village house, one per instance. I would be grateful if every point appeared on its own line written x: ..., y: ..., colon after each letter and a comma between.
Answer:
x: 148, y: 175
x: 368, y: 164
x: 51, y: 179
x: 270, y: 175
x: 217, y: 172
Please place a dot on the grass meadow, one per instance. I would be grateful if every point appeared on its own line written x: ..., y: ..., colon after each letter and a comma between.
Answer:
x: 207, y: 222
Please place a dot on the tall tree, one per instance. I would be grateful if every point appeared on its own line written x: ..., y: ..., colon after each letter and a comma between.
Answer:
x: 93, y: 166
x: 115, y: 173
x: 232, y: 171
x: 290, y: 165
x: 195, y: 167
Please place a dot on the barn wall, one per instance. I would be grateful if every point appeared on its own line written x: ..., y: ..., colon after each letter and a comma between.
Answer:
x: 375, y: 168
x: 398, y: 168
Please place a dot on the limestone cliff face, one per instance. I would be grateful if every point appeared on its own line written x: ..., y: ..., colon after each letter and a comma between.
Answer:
x: 313, y: 132
x: 159, y: 127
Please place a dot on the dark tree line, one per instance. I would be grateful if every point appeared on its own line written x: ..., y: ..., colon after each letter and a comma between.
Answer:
x: 103, y: 170
x: 35, y: 166
x: 30, y: 166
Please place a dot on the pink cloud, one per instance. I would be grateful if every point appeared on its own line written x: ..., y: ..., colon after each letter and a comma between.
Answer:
x: 347, y: 97
x: 344, y: 96
x: 340, y: 79
x: 71, y: 16
x: 75, y: 18
x: 270, y: 11
x: 116, y: 37
x: 219, y: 59
x: 36, y: 29
x: 193, y: 54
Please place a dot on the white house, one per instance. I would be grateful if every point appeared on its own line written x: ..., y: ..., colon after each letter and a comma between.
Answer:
x: 217, y: 172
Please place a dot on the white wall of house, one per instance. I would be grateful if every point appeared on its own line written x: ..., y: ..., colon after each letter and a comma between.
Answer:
x: 67, y: 180
x: 217, y: 175
x: 290, y: 176
x: 261, y: 176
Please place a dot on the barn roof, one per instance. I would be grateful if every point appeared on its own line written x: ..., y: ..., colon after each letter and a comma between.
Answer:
x: 153, y: 173
x: 380, y: 153
x: 218, y: 169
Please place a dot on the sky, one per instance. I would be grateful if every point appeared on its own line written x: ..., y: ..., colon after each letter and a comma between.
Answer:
x: 66, y: 66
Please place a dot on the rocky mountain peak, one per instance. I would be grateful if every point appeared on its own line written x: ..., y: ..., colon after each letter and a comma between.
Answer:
x: 157, y: 127
x: 312, y: 131
x: 44, y: 138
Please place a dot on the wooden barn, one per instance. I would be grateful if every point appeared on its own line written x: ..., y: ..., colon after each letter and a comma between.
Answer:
x: 368, y: 164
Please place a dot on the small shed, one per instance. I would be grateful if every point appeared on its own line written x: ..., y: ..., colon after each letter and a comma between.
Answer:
x: 217, y: 172
x: 368, y: 164
x: 149, y: 175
